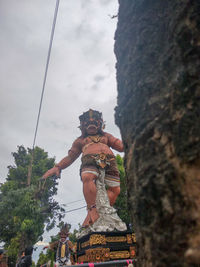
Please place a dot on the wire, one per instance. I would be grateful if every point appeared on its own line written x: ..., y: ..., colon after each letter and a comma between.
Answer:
x: 73, y: 202
x: 75, y: 209
x: 46, y: 68
x: 43, y: 87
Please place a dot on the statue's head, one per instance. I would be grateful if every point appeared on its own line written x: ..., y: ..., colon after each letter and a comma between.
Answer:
x: 91, y: 122
x: 64, y: 232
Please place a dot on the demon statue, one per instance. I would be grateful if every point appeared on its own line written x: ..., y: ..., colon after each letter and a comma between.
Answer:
x: 63, y: 248
x: 98, y: 164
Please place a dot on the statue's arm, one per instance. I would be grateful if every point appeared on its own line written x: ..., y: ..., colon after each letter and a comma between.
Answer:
x: 73, y: 154
x: 71, y: 246
x: 115, y: 143
x: 53, y: 245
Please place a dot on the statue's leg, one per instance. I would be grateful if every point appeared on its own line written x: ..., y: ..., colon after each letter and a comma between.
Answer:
x: 113, y: 193
x: 89, y: 191
x: 112, y: 180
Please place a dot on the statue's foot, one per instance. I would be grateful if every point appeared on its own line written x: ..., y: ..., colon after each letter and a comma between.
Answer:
x: 91, y: 217
x: 86, y: 222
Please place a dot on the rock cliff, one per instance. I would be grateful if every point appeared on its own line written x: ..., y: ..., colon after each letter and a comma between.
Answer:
x: 158, y: 75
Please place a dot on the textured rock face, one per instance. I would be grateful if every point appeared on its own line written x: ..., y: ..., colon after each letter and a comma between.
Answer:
x: 158, y: 74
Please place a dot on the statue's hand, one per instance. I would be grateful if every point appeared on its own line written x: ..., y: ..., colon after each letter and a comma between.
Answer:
x: 53, y: 171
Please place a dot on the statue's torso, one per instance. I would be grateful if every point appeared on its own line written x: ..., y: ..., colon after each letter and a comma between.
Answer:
x: 96, y: 145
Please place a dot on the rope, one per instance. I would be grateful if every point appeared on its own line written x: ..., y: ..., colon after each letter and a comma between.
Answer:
x: 43, y: 88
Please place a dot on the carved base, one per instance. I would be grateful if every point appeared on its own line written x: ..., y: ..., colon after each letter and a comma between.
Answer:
x: 106, y: 246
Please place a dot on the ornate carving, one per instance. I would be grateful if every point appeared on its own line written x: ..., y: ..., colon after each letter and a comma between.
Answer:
x: 134, y: 238
x: 101, y: 160
x: 132, y: 252
x: 97, y: 239
x: 98, y: 247
x: 98, y: 254
x: 120, y: 254
x: 85, y: 244
x: 104, y: 254
x: 82, y: 258
x: 95, y: 138
x: 129, y: 239
x: 116, y: 239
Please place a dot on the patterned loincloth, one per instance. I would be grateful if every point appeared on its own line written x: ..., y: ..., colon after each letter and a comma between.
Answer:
x: 90, y: 165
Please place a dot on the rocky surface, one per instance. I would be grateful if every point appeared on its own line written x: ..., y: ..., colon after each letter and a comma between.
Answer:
x: 158, y: 74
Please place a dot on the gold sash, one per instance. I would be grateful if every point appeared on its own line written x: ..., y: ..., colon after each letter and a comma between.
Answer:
x: 63, y: 247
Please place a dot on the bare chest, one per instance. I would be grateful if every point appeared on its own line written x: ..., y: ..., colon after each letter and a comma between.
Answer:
x: 96, y: 144
x: 95, y: 139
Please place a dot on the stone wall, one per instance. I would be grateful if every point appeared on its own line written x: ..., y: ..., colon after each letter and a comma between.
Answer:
x: 158, y: 75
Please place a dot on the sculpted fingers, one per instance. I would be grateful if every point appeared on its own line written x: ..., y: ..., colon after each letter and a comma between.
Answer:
x: 49, y: 173
x: 44, y: 176
x: 52, y: 171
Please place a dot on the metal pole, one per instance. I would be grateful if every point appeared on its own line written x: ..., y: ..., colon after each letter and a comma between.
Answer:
x: 115, y: 263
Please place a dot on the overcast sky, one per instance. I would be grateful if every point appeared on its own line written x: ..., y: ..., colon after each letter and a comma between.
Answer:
x: 81, y: 76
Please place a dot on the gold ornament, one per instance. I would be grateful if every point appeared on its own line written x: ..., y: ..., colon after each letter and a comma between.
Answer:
x: 95, y: 138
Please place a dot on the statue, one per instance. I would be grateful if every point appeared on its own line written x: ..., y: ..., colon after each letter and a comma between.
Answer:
x: 94, y: 144
x: 63, y: 248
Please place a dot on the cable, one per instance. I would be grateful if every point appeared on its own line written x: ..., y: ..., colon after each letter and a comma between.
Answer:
x: 75, y: 209
x: 46, y: 69
x: 42, y: 94
x: 73, y: 202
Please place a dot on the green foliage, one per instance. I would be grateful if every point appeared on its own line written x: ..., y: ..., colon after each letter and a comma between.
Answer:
x: 25, y: 209
x: 44, y: 258
x: 121, y: 202
x: 72, y: 236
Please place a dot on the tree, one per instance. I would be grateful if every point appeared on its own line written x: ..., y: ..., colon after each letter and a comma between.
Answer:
x: 45, y: 258
x: 121, y: 202
x: 158, y: 66
x: 25, y: 209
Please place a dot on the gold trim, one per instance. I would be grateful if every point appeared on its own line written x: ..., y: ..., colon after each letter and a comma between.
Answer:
x: 116, y: 239
x: 97, y: 239
x: 90, y: 113
x: 134, y: 238
x: 97, y: 254
x: 95, y: 138
x: 120, y: 254
x: 85, y: 244
x: 129, y: 239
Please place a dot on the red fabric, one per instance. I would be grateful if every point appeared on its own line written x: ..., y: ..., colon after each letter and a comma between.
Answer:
x: 91, y: 264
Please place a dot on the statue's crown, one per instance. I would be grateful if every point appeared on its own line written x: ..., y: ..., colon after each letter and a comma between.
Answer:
x: 91, y: 114
x: 64, y: 230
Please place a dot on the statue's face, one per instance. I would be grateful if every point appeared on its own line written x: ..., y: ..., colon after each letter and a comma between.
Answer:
x: 92, y: 122
x: 63, y: 238
x: 92, y: 126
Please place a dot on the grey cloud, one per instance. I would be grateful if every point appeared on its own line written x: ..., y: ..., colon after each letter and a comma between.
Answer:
x: 104, y: 2
x: 99, y: 78
x: 85, y: 3
x: 94, y: 87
